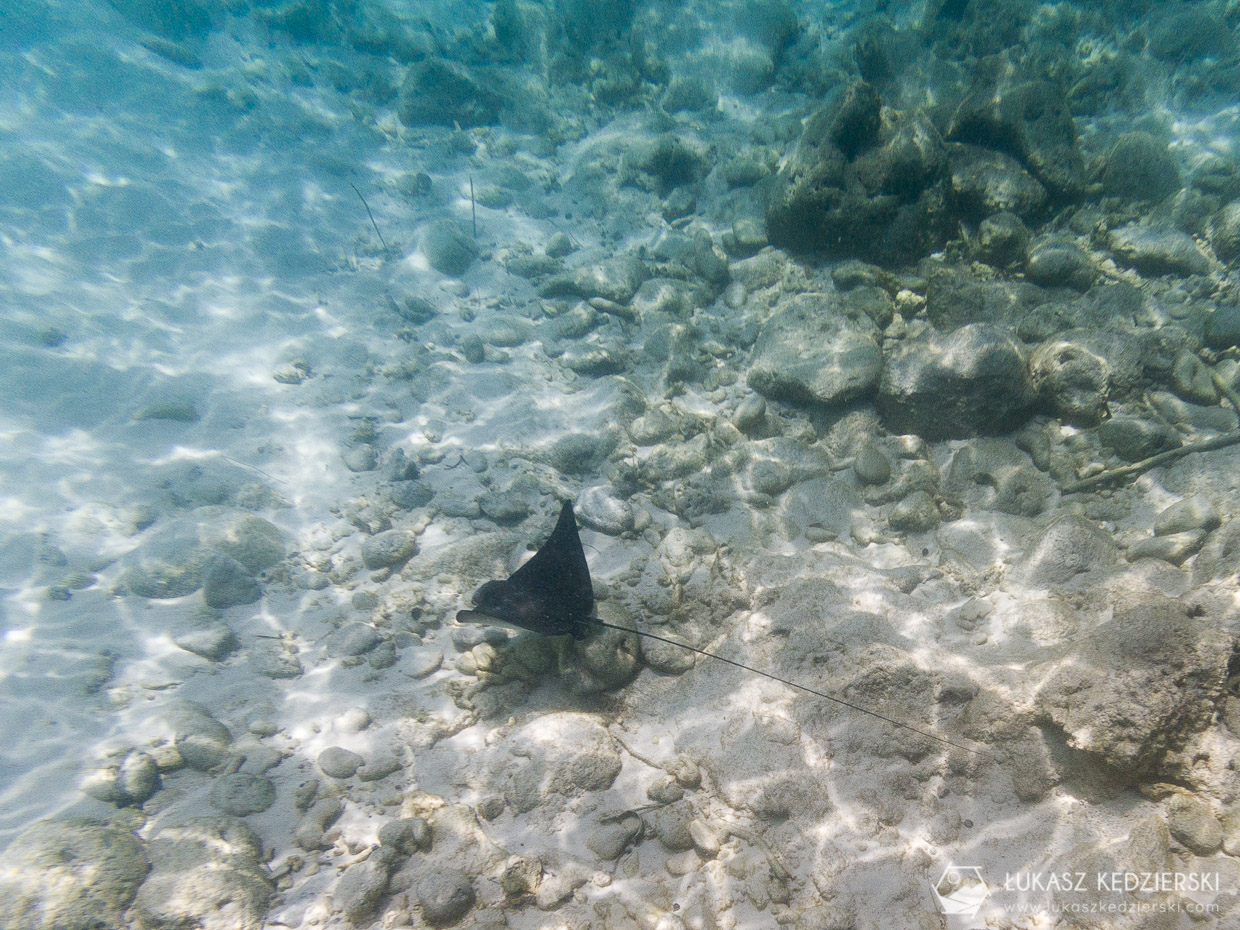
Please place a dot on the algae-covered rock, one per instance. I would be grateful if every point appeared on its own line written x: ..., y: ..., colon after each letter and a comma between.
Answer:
x: 207, y: 873
x: 560, y: 753
x: 863, y: 181
x: 443, y: 93
x: 974, y: 381
x: 1139, y: 685
x: 76, y: 874
x: 810, y: 353
x: 1024, y: 116
x: 448, y: 248
x: 1140, y: 168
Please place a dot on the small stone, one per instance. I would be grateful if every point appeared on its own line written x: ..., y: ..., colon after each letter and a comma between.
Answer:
x: 750, y: 416
x: 665, y: 791
x: 1193, y: 823
x: 1175, y: 548
x: 749, y: 234
x: 914, y: 514
x: 446, y: 895
x: 1154, y: 250
x: 683, y: 863
x: 215, y: 644
x: 226, y: 583
x: 309, y: 834
x: 520, y: 876
x: 870, y: 465
x: 503, y: 507
x: 685, y: 771
x: 491, y: 807
x: 600, y: 509
x: 1074, y: 380
x: 422, y: 834
x: 448, y: 248
x: 559, y: 245
x: 353, y: 720
x: 1192, y: 513
x: 240, y: 794
x: 1134, y: 439
x: 1060, y: 263
x: 389, y: 549
x: 473, y: 348
x: 379, y: 769
x: 1231, y: 832
x: 398, y: 834
x: 201, y: 739
x: 337, y: 762
x: 1190, y: 379
x: 705, y: 840
x: 1003, y: 239
x: 362, y: 886
x: 610, y: 840
x: 671, y: 826
x: 1223, y: 327
x: 360, y: 459
x: 139, y: 776
x: 354, y: 639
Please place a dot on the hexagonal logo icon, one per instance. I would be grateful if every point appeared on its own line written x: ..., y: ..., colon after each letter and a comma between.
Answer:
x: 961, y: 890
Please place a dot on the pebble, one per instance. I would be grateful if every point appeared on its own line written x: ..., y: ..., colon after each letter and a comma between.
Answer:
x: 389, y: 549
x: 1133, y: 439
x: 870, y: 465
x: 1231, y: 832
x: 683, y: 863
x: 1193, y: 823
x: 447, y: 248
x: 1175, y: 548
x: 1223, y: 327
x: 705, y: 840
x: 309, y: 833
x: 914, y: 514
x: 201, y: 739
x: 353, y: 720
x: 337, y: 762
x: 363, y: 884
x: 241, y: 794
x: 1154, y: 250
x: 1056, y: 263
x: 503, y: 507
x: 559, y: 245
x: 685, y: 771
x: 360, y: 458
x: 226, y: 583
x: 379, y: 769
x: 1192, y: 513
x: 671, y: 826
x: 600, y: 509
x: 399, y: 835
x: 446, y: 895
x: 215, y: 644
x: 353, y: 639
x: 665, y: 790
x: 610, y: 840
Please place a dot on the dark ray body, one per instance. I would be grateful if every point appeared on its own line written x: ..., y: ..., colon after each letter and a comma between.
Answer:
x: 551, y: 594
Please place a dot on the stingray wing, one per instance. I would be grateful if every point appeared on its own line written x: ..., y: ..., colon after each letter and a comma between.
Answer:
x: 551, y: 592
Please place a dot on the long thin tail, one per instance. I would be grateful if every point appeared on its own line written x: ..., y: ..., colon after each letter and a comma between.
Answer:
x: 785, y: 681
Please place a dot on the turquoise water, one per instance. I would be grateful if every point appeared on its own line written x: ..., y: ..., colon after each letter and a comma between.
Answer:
x: 889, y: 349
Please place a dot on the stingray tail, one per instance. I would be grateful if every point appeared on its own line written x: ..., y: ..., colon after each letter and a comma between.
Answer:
x: 591, y: 621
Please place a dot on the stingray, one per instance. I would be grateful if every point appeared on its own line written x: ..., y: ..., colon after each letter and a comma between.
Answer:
x: 551, y: 595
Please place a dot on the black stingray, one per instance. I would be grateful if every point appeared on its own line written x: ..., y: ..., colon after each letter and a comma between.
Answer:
x: 551, y: 594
